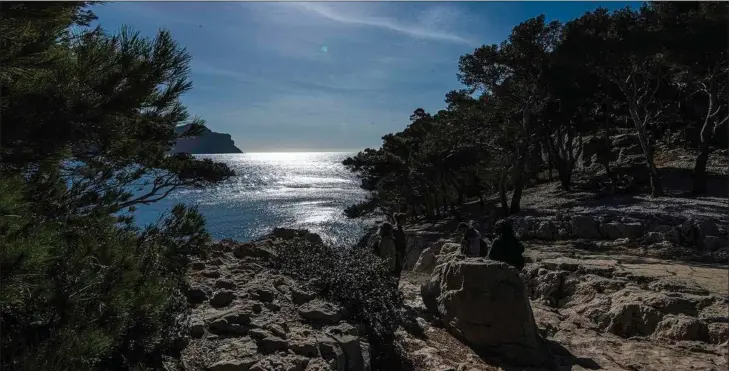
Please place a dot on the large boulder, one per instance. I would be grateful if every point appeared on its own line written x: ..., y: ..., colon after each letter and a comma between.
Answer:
x: 426, y: 261
x: 416, y: 242
x: 485, y: 303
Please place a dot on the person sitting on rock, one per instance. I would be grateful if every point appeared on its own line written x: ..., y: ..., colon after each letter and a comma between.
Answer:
x: 400, y: 242
x: 505, y: 247
x: 385, y: 247
x: 471, y: 240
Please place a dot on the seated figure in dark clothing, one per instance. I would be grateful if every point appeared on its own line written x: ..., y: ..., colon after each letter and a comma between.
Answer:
x: 505, y: 247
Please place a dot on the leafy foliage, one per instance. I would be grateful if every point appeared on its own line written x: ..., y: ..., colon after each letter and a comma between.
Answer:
x: 88, y: 120
x: 658, y: 70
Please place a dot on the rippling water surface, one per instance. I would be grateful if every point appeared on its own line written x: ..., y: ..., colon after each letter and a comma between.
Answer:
x: 296, y: 190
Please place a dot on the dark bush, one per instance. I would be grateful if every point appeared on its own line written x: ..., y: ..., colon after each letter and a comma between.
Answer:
x: 85, y: 293
x: 357, y: 280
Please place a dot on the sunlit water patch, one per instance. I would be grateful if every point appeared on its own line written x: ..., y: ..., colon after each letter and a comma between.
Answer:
x: 295, y: 190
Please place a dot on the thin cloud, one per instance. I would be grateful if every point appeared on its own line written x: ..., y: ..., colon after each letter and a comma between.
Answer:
x: 382, y: 22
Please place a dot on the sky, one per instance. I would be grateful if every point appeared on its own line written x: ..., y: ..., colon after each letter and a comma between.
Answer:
x: 325, y: 76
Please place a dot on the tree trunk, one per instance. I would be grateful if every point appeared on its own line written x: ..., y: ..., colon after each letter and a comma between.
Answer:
x: 656, y: 187
x: 700, y: 169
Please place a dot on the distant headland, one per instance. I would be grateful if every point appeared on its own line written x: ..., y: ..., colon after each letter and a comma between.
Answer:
x: 208, y: 142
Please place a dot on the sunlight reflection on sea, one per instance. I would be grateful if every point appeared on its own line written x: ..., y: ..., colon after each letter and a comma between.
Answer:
x: 295, y: 190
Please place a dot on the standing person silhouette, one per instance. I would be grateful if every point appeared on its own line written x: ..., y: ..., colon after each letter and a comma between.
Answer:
x: 400, y: 243
x: 385, y: 247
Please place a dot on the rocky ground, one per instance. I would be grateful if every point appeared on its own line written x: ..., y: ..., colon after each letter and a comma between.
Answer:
x: 611, y: 312
x: 248, y: 317
x: 616, y: 281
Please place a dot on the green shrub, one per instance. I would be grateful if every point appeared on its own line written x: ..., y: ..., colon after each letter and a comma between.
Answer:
x: 88, y: 120
x: 358, y: 281
x: 85, y: 292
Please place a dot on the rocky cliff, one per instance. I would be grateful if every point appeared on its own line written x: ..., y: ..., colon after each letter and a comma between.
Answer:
x: 208, y: 142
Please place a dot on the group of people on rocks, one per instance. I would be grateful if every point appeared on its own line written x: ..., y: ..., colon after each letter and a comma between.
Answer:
x: 504, y: 247
x: 391, y: 244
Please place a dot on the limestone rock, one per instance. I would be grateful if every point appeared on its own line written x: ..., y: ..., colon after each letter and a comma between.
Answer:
x: 707, y: 227
x: 233, y: 321
x: 677, y: 285
x: 716, y: 312
x: 585, y: 227
x: 258, y: 333
x: 287, y: 233
x: 262, y: 293
x: 681, y: 328
x: 210, y: 273
x: 718, y: 332
x: 250, y: 249
x: 272, y: 344
x: 317, y: 364
x: 426, y: 261
x: 342, y: 329
x: 277, y: 330
x: 333, y: 353
x: 299, y: 296
x: 281, y: 363
x: 545, y: 231
x: 222, y: 298
x: 713, y: 243
x: 350, y: 344
x: 320, y: 311
x: 631, y: 319
x: 197, y: 329
x: 614, y: 231
x: 305, y: 347
x: 653, y: 237
x: 196, y: 295
x: 225, y: 284
x: 485, y: 303
x: 232, y: 365
x: 430, y: 291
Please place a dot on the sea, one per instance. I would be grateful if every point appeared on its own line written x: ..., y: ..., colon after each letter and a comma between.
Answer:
x: 292, y: 190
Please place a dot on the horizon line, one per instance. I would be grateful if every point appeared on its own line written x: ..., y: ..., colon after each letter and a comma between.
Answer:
x: 285, y: 152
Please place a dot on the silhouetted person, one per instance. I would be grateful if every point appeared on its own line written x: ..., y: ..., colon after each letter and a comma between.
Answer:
x: 400, y: 242
x: 385, y: 247
x: 471, y: 240
x: 506, y: 248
